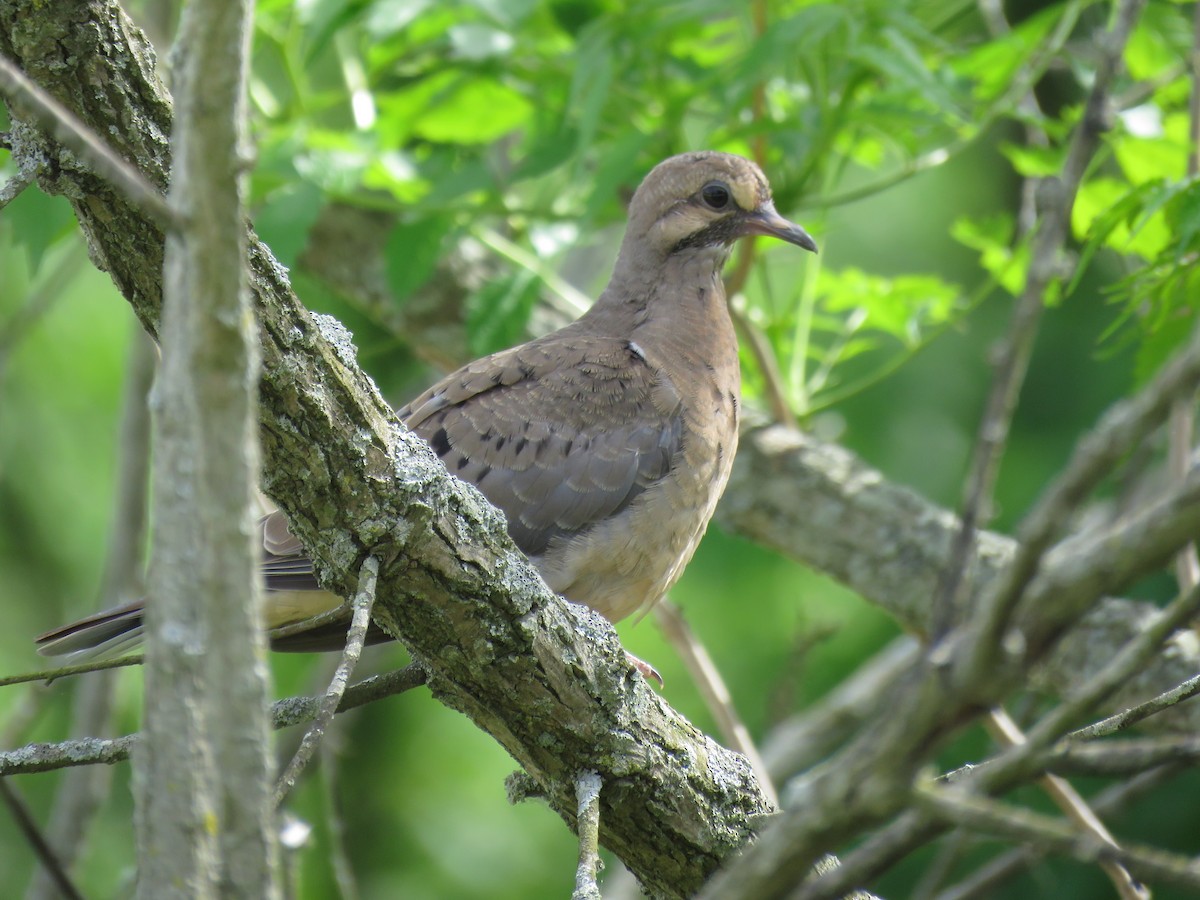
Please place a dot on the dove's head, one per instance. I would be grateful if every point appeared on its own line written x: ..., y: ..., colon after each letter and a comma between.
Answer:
x: 705, y: 200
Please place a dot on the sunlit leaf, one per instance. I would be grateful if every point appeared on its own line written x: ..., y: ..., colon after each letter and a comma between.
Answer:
x: 39, y: 221
x: 284, y: 219
x: 412, y: 253
x: 992, y: 237
x: 498, y: 314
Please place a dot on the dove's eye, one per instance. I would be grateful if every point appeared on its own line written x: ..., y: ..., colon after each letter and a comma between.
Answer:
x: 715, y: 195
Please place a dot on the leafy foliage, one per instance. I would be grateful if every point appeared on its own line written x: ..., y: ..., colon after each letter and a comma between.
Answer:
x: 513, y: 131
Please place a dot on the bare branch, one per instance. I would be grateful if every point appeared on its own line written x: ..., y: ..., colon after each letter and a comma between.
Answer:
x: 1045, y: 268
x: 364, y: 602
x: 587, y: 788
x: 1133, y: 715
x: 712, y: 688
x: 29, y: 100
x: 51, y: 675
x: 982, y: 882
x: 992, y: 817
x: 498, y: 645
x: 1122, y: 758
x: 34, y: 758
x: 284, y: 714
x: 45, y: 853
x: 1071, y: 802
x: 80, y: 792
x: 13, y: 187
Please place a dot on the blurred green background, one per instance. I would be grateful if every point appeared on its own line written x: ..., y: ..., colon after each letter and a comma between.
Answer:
x: 507, y: 135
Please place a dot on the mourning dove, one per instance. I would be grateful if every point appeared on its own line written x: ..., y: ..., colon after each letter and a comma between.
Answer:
x: 606, y: 444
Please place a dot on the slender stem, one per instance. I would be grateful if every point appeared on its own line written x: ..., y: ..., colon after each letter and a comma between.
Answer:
x: 356, y: 637
x: 713, y: 689
x: 587, y: 792
x: 33, y: 834
x: 30, y: 100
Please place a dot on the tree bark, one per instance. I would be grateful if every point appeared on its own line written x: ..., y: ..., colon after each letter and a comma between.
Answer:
x: 205, y: 822
x: 549, y: 681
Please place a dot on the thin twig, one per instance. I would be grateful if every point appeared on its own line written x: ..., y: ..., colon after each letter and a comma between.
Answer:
x: 33, y: 834
x: 13, y: 187
x: 1014, y: 355
x: 1133, y: 715
x: 993, y: 817
x: 81, y: 791
x: 335, y: 826
x: 60, y: 123
x: 1070, y: 801
x: 984, y: 880
x: 1182, y: 426
x: 285, y: 713
x: 1028, y: 756
x: 297, y: 710
x: 764, y: 358
x: 1044, y: 266
x: 51, y: 675
x: 1130, y: 660
x: 39, y: 302
x: 713, y: 689
x: 587, y: 791
x: 1122, y: 757
x: 364, y: 601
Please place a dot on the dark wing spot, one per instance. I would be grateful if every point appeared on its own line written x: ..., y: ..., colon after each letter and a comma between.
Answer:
x: 440, y: 442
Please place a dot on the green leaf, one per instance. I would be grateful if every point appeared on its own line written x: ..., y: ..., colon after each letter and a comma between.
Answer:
x: 335, y: 160
x: 469, y: 110
x: 475, y: 41
x: 1149, y: 159
x: 412, y: 253
x: 591, y: 82
x: 388, y: 17
x: 498, y: 314
x: 993, y: 64
x: 1035, y: 162
x: 396, y: 173
x: 547, y: 153
x: 284, y: 220
x: 1112, y: 213
x: 1160, y: 344
x: 39, y: 221
x: 902, y: 307
x: 992, y: 236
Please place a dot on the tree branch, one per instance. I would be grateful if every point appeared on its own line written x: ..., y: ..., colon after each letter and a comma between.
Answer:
x: 31, y: 102
x: 549, y: 681
x: 285, y: 713
x: 364, y: 600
